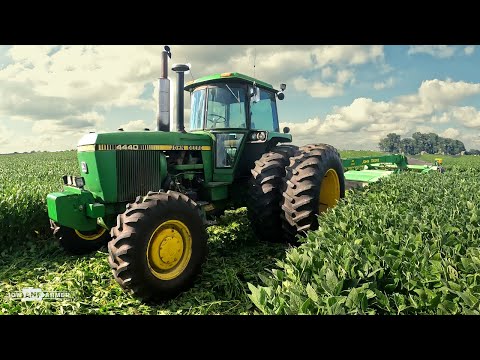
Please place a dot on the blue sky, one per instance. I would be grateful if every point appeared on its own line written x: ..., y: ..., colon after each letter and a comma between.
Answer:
x: 348, y: 96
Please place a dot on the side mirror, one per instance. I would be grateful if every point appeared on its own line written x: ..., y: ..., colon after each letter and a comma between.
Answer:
x: 286, y: 130
x: 255, y: 94
x: 280, y: 96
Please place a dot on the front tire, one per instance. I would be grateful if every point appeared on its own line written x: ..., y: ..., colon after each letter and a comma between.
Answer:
x: 314, y: 182
x: 77, y: 242
x: 158, y: 246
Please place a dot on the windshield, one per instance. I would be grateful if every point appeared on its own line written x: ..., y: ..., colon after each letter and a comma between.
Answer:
x: 226, y: 107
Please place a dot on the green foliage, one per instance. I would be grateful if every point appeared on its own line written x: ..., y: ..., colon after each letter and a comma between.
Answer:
x: 30, y: 257
x: 232, y: 263
x: 457, y: 163
x: 473, y: 152
x: 406, y: 245
x: 25, y: 181
x: 390, y: 144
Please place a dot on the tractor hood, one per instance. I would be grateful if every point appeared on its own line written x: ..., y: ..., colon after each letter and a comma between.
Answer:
x: 121, y: 165
x: 144, y: 140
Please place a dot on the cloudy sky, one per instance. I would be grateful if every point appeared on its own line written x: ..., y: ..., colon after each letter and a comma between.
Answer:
x: 348, y: 96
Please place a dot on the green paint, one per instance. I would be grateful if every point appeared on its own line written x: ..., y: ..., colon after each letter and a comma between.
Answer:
x: 370, y: 161
x: 217, y: 190
x: 376, y: 167
x: 95, y: 210
x: 278, y: 137
x: 101, y: 179
x: 366, y: 175
x: 145, y: 138
x: 234, y: 77
x: 188, y: 167
x: 69, y: 208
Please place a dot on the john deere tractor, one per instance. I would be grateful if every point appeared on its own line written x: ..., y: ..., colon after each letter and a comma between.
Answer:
x: 150, y: 194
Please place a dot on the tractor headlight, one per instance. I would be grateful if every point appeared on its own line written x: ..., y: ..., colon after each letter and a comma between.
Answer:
x: 254, y: 136
x: 261, y: 136
x: 70, y: 180
x: 79, y: 182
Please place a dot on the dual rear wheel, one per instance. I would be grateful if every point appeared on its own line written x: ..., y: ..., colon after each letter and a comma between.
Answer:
x: 290, y: 187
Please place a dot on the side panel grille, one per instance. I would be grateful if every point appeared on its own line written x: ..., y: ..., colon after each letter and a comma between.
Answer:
x: 138, y: 172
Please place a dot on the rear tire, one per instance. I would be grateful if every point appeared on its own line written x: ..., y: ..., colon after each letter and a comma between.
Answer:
x: 77, y: 242
x: 265, y: 192
x: 158, y: 245
x: 314, y: 182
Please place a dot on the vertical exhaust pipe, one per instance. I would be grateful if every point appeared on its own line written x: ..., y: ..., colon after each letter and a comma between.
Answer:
x: 163, y: 110
x: 180, y: 69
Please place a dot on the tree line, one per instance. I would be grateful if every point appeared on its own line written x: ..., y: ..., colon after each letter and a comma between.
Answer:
x: 431, y: 143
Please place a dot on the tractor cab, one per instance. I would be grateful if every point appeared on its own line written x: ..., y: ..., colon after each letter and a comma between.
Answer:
x: 240, y: 114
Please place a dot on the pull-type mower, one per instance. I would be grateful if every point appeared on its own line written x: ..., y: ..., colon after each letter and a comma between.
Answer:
x: 361, y: 171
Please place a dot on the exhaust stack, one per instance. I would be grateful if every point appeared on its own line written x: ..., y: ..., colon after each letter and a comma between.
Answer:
x: 163, y: 111
x: 180, y: 69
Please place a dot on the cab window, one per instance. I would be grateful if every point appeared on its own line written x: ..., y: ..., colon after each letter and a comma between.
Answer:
x: 227, y: 146
x: 226, y: 107
x: 263, y: 113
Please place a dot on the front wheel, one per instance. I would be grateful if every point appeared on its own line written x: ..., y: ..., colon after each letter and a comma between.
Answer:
x: 80, y: 242
x: 158, y: 246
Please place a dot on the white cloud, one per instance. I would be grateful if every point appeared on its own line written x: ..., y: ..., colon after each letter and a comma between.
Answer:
x: 136, y: 125
x: 468, y: 116
x: 54, y: 82
x: 344, y: 76
x: 6, y: 136
x: 388, y: 83
x: 317, y: 89
x: 450, y: 133
x: 327, y: 72
x: 440, y: 119
x: 425, y: 129
x: 87, y: 122
x: 469, y: 49
x: 441, y: 93
x: 322, y: 89
x: 439, y: 51
x: 362, y: 123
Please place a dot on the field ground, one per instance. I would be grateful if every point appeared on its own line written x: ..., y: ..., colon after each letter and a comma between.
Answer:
x: 231, y: 280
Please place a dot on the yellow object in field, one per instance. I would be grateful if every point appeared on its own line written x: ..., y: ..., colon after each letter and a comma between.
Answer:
x: 438, y: 161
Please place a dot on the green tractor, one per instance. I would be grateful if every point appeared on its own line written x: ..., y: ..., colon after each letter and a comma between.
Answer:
x: 151, y: 194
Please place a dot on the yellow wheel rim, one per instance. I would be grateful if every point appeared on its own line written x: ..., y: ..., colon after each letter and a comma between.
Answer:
x: 329, y: 191
x: 169, y: 249
x: 91, y: 237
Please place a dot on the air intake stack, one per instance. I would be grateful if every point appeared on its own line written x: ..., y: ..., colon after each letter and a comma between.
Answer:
x: 180, y: 69
x: 163, y: 111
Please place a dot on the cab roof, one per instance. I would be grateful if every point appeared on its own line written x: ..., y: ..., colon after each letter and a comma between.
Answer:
x: 230, y: 76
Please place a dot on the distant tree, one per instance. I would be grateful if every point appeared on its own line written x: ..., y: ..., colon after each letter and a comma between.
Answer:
x: 473, y: 152
x: 390, y: 144
x: 407, y: 146
x: 429, y: 143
